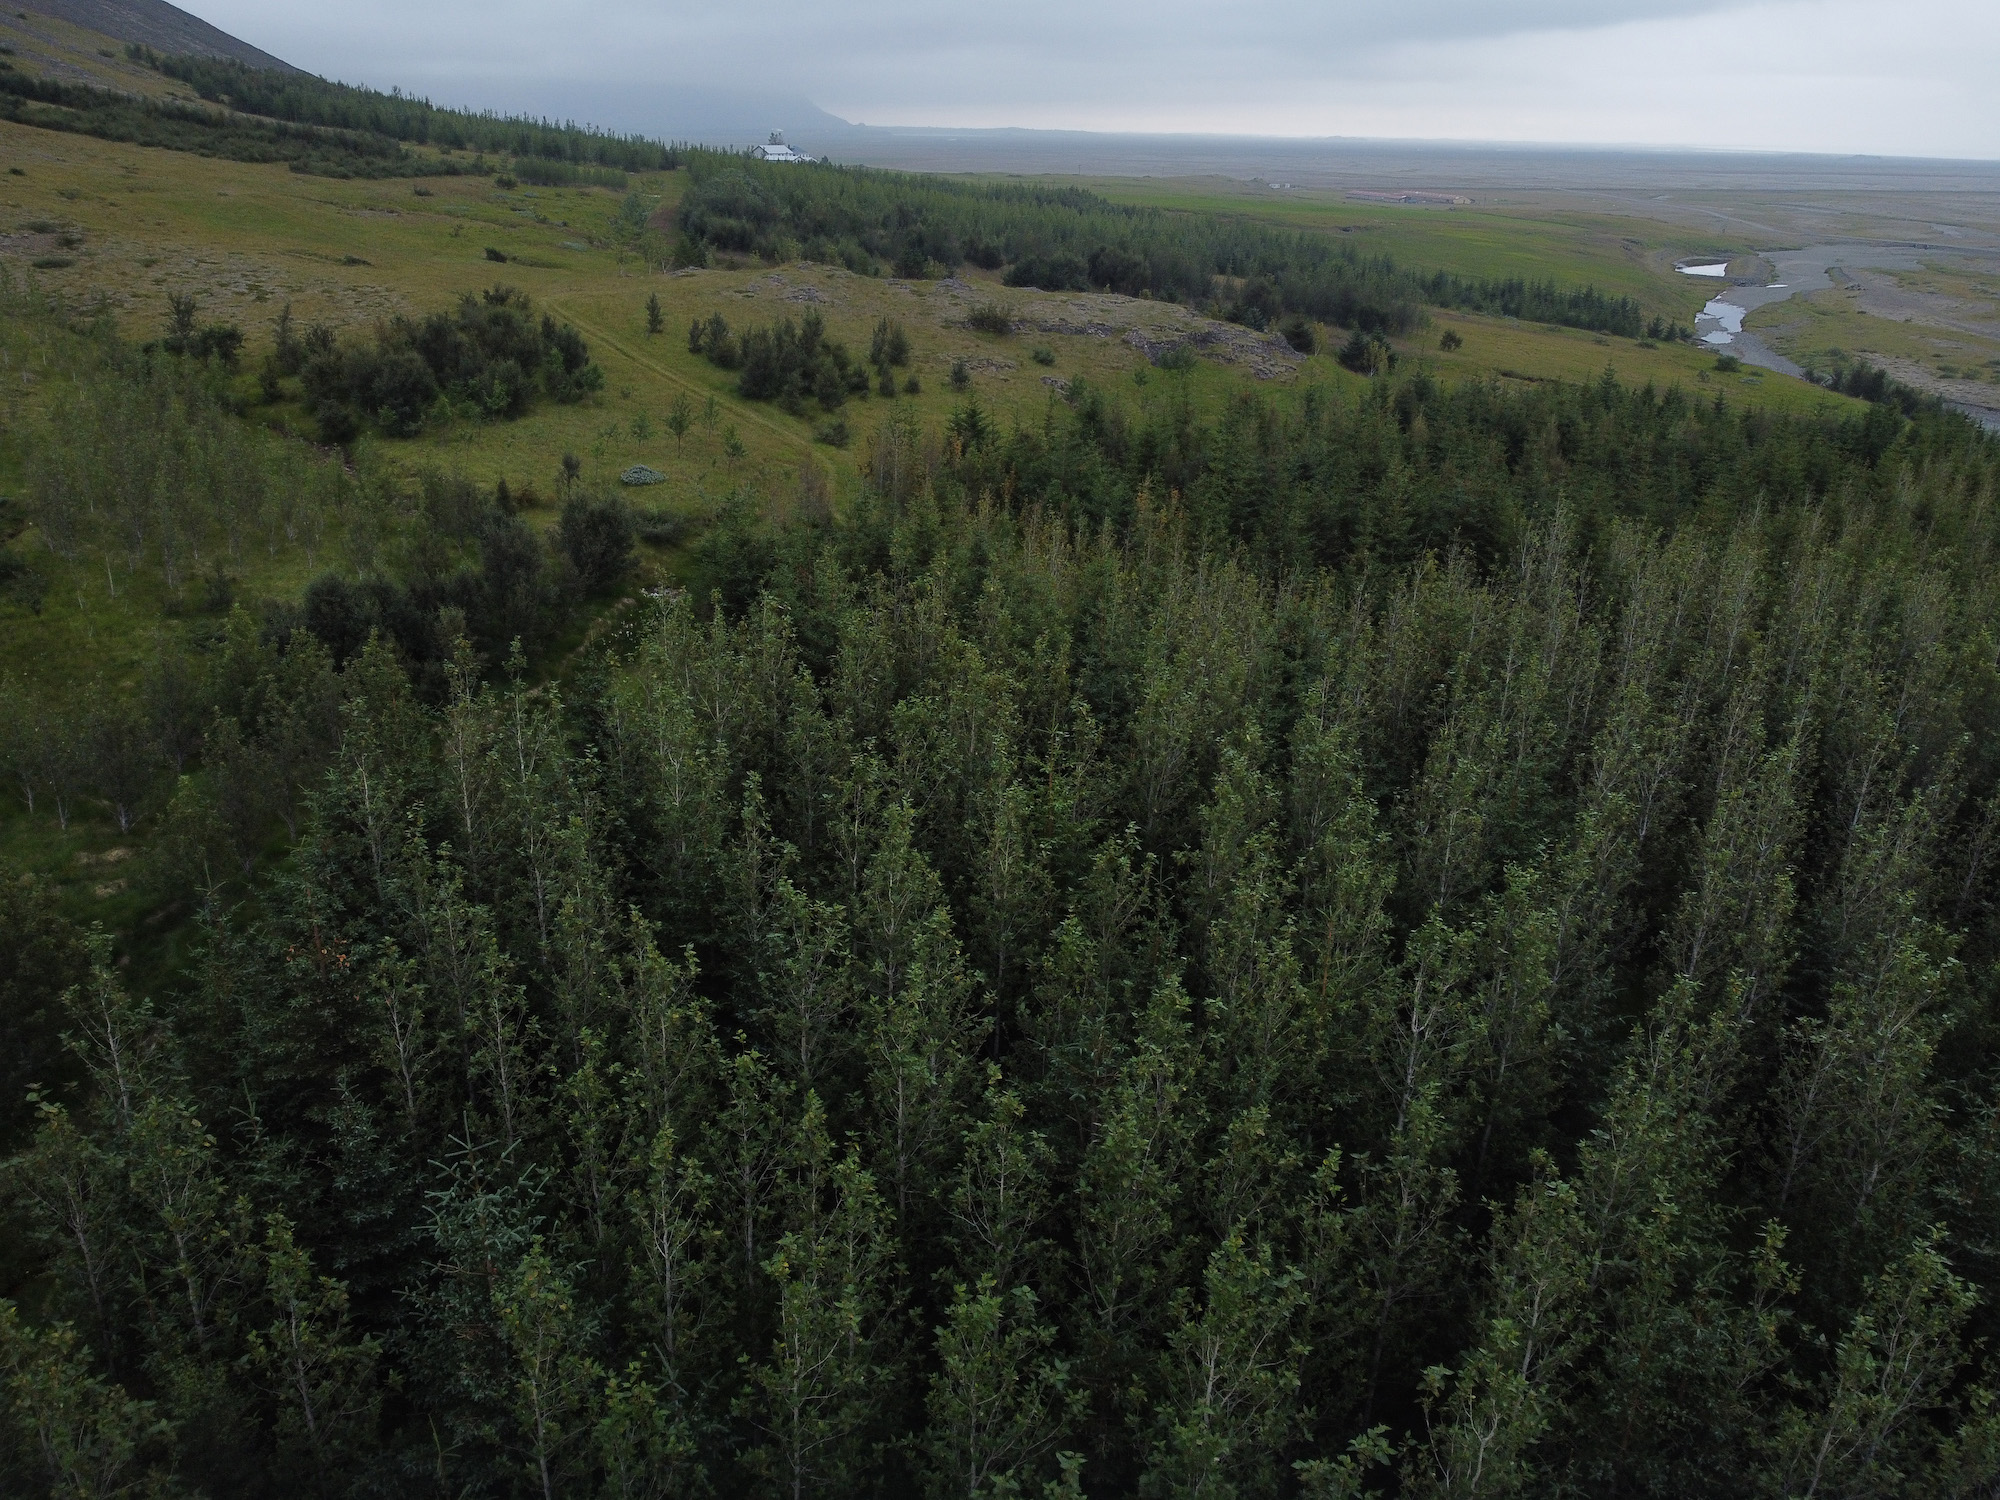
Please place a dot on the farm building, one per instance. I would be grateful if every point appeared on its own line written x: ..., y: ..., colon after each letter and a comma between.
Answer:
x: 775, y: 149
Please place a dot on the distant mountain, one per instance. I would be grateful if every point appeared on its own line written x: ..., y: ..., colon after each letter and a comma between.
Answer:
x: 155, y: 24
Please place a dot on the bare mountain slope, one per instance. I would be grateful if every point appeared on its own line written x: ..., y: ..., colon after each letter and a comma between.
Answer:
x: 155, y: 24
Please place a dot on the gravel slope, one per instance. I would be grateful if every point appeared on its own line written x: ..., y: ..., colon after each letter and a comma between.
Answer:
x: 163, y: 27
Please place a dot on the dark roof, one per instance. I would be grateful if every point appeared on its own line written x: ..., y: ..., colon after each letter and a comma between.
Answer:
x: 154, y: 23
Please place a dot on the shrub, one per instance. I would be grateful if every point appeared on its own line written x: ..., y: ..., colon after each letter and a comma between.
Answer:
x: 914, y: 261
x: 490, y: 355
x: 1064, y: 271
x: 1728, y: 364
x: 961, y: 375
x: 499, y: 257
x: 890, y: 345
x: 219, y: 341
x: 714, y: 339
x: 596, y: 535
x: 1044, y: 356
x: 505, y: 183
x: 659, y: 528
x: 789, y: 363
x: 400, y: 391
x: 833, y: 432
x: 21, y: 583
x: 730, y: 212
x: 1179, y: 359
x: 1367, y: 353
x: 1451, y: 341
x: 338, y: 426
x: 990, y: 317
x: 1299, y: 333
x: 970, y: 427
x: 547, y: 172
x: 1117, y: 270
x: 217, y: 592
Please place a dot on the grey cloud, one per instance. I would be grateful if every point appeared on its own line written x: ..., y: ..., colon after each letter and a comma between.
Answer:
x: 894, y: 52
x: 1505, y: 69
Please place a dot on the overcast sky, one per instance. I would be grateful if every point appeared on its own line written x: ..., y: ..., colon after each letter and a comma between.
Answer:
x: 1897, y: 77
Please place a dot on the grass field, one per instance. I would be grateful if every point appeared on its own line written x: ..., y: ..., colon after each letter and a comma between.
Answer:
x: 1512, y: 351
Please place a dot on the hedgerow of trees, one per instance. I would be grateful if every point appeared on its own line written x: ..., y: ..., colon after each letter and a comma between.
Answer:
x: 303, y: 99
x: 326, y: 129
x: 83, y: 109
x: 1435, y: 944
x: 1066, y: 239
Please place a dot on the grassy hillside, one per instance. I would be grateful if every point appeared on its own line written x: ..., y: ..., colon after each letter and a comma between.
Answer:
x: 48, y: 46
x: 120, y: 229
x: 248, y: 239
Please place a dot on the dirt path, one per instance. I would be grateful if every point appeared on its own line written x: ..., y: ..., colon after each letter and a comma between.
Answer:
x: 746, y: 413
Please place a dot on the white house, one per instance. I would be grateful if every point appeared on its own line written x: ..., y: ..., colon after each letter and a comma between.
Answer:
x: 775, y: 149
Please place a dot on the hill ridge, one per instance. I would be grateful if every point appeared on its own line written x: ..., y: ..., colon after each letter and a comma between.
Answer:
x: 156, y: 24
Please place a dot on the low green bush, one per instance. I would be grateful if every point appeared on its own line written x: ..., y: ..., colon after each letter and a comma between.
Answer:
x: 489, y: 356
x: 1367, y: 354
x: 788, y: 363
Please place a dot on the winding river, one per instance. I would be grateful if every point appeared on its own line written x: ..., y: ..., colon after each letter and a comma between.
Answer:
x: 1720, y: 323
